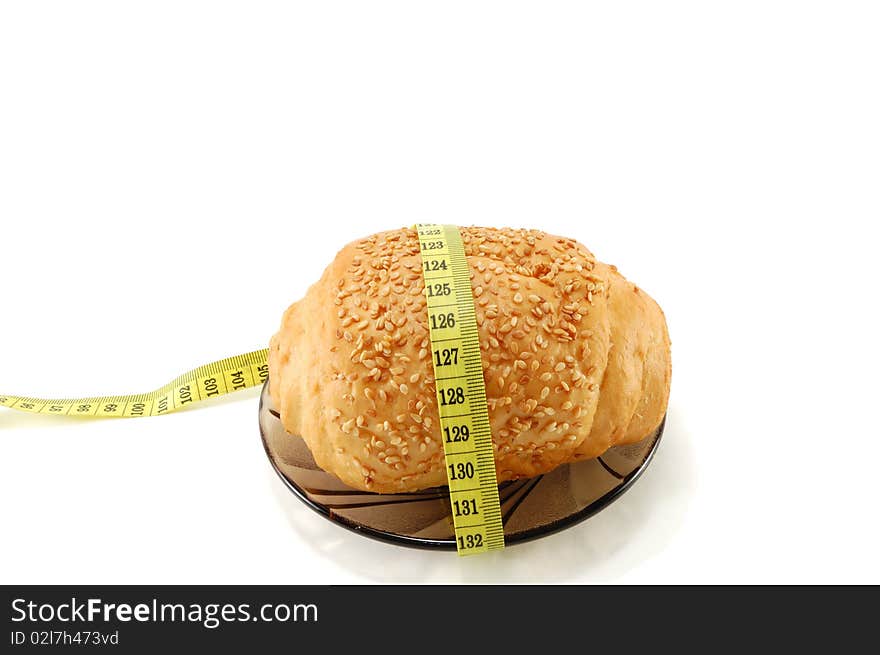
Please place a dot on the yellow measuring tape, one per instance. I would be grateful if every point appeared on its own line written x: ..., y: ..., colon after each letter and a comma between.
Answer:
x: 461, y: 392
x: 216, y: 379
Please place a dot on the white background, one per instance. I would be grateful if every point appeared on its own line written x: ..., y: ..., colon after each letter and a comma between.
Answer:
x: 174, y: 174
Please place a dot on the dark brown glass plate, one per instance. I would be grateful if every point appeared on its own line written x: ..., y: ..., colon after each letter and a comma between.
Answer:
x: 530, y: 508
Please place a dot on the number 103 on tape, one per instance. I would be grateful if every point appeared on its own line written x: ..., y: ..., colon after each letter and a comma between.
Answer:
x: 461, y: 392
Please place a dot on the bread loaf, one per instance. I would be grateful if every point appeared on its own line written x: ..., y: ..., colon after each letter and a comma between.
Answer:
x: 576, y: 359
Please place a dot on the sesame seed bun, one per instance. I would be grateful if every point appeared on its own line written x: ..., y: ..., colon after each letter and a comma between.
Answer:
x: 575, y: 359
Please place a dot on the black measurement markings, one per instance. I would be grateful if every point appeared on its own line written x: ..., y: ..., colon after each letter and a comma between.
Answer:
x: 449, y: 377
x: 445, y: 340
x: 456, y: 415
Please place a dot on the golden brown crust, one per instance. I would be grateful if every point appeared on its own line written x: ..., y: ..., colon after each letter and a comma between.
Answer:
x: 635, y: 387
x: 350, y: 367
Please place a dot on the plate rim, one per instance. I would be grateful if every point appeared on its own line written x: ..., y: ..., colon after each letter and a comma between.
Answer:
x: 426, y: 543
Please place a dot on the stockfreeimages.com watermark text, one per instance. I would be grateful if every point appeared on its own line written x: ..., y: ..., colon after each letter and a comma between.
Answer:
x: 208, y: 615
